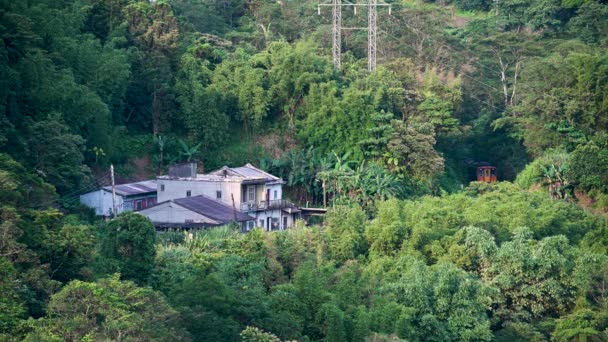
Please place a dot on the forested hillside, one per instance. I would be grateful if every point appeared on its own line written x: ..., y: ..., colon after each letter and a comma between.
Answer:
x: 410, y: 249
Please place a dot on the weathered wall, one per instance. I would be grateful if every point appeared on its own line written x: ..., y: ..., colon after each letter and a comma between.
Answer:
x: 170, y: 212
x: 101, y: 201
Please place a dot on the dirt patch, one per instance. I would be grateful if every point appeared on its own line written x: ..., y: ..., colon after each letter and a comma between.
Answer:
x: 142, y: 170
x: 460, y: 22
x: 588, y: 203
x: 584, y: 200
x: 276, y: 144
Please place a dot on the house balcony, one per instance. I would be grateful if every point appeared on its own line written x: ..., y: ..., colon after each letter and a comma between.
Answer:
x: 265, y: 205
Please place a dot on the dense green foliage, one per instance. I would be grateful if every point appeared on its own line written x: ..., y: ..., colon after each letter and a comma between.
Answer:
x: 451, y: 269
x: 407, y: 251
x: 108, y: 310
x: 143, y: 85
x: 127, y: 247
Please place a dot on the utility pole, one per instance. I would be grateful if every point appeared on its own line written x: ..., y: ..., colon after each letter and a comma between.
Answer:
x: 324, y: 195
x: 233, y: 207
x: 113, y: 190
x: 372, y: 29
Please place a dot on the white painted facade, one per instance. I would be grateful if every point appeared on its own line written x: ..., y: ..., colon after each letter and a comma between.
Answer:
x: 173, y: 213
x: 223, y: 190
x: 169, y: 189
x: 101, y: 201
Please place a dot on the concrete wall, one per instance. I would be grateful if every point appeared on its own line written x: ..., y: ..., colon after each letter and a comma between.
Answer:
x: 170, y: 212
x: 101, y: 201
x: 178, y: 189
x: 279, y: 190
x: 260, y: 193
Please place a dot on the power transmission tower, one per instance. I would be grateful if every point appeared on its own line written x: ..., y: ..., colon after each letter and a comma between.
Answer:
x: 372, y: 29
x: 372, y: 34
x: 336, y: 33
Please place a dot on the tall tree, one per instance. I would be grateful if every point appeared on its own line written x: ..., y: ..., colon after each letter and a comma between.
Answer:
x: 127, y: 246
x: 109, y: 309
x: 154, y: 30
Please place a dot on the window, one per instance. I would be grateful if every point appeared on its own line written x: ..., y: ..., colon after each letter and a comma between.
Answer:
x: 137, y: 205
x: 274, y: 222
x: 276, y: 194
x: 262, y: 223
x: 162, y: 187
x: 250, y: 225
x: 251, y: 194
x: 188, y: 193
x: 284, y: 222
x: 218, y: 194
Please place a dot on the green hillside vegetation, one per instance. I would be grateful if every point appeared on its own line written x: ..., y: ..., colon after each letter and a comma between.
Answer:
x: 410, y: 249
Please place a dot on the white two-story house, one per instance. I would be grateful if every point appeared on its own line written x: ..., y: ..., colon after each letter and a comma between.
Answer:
x: 246, y: 190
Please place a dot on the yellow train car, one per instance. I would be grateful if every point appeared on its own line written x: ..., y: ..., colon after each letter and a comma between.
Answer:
x: 486, y: 174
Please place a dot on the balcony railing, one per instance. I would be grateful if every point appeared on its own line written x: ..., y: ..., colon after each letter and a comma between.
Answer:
x: 265, y: 205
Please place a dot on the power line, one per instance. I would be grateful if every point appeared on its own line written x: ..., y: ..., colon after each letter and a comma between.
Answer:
x: 372, y: 17
x: 372, y: 29
x: 74, y: 195
x: 521, y: 85
x: 488, y: 86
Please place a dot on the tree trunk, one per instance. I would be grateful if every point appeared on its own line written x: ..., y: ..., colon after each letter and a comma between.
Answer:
x: 513, y: 92
x: 503, y: 80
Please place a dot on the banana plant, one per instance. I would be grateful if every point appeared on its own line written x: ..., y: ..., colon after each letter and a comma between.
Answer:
x: 554, y: 178
x: 188, y: 151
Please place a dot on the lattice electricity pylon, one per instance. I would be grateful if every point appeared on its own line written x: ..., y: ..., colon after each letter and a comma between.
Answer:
x: 372, y: 29
x: 336, y: 33
x: 372, y: 34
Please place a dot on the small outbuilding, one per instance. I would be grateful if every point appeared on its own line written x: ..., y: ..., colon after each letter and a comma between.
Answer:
x: 194, y: 212
x: 129, y: 197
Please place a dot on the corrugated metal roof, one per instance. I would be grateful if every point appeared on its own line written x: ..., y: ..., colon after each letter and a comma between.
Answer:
x: 212, y: 209
x: 132, y: 189
x: 247, y: 174
x: 251, y: 171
